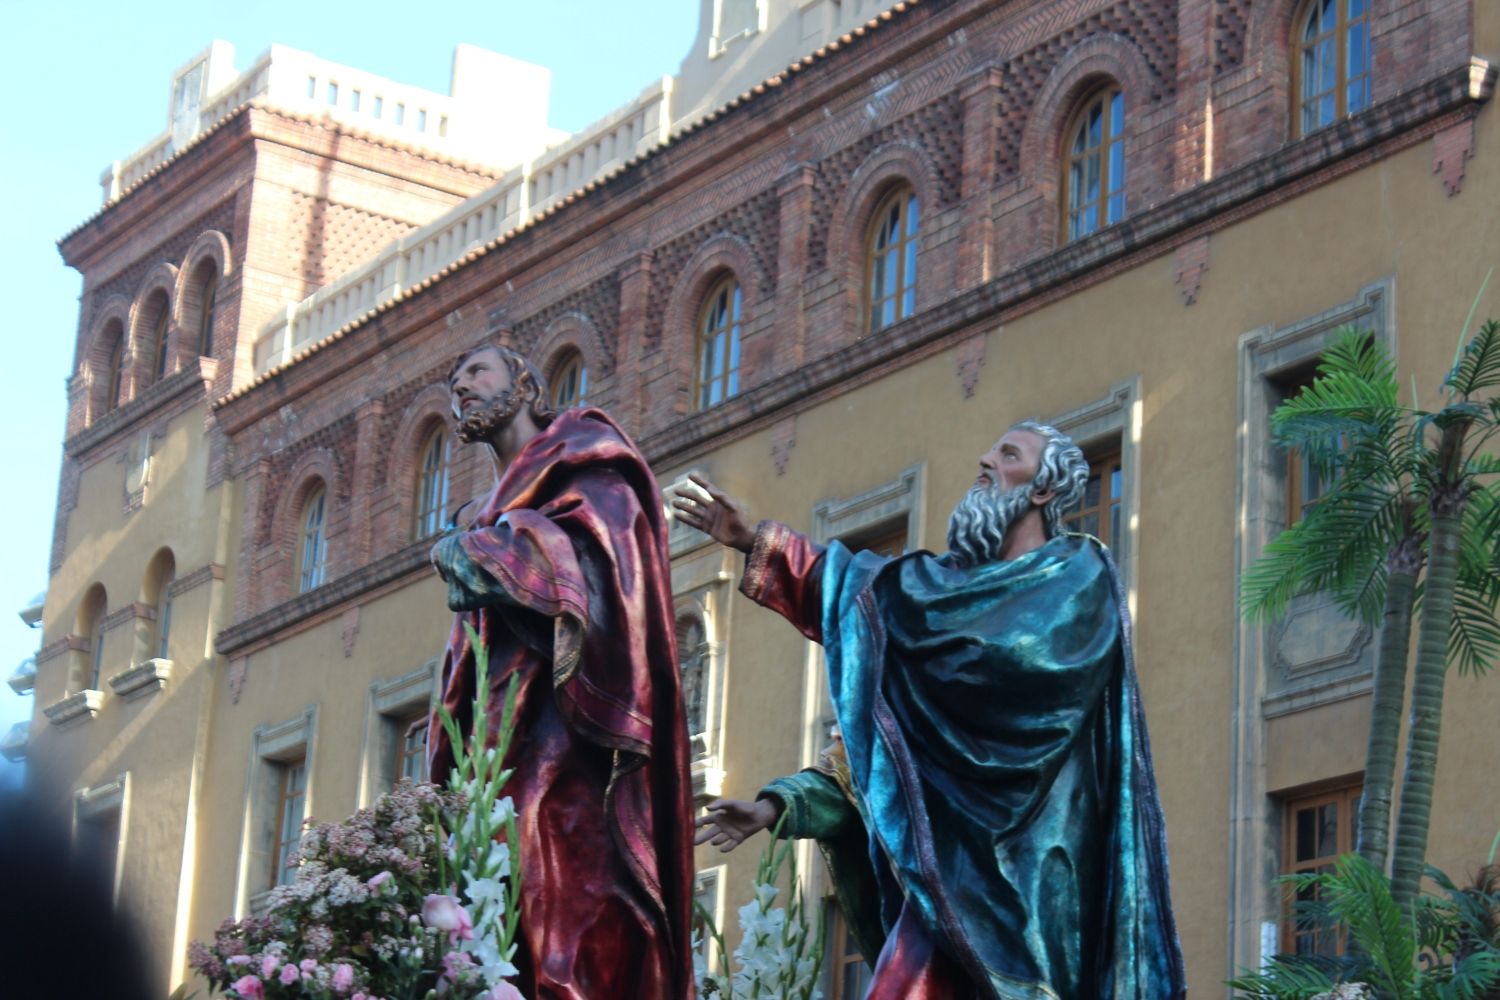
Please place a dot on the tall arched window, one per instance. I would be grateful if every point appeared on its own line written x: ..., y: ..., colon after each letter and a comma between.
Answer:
x: 90, y: 623
x: 692, y: 662
x: 158, y: 592
x: 1331, y: 62
x: 719, y: 344
x: 159, y: 359
x: 1093, y: 180
x: 116, y: 371
x: 432, y: 483
x: 891, y: 261
x: 207, y: 310
x: 314, y: 560
x: 570, y: 383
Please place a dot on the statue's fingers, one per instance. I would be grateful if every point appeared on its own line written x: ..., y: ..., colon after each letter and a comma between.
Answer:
x: 704, y: 836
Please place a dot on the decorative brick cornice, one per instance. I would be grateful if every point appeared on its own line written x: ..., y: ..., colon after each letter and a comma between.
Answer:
x: 197, y: 578
x: 1395, y: 124
x: 53, y: 650
x: 84, y: 704
x: 147, y: 405
x: 142, y: 679
x: 306, y: 610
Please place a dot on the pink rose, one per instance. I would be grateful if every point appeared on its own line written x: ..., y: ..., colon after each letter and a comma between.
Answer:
x: 238, y: 960
x: 445, y: 913
x: 343, y: 977
x: 268, y: 966
x: 379, y: 880
x: 289, y: 974
x: 248, y: 987
x: 308, y: 966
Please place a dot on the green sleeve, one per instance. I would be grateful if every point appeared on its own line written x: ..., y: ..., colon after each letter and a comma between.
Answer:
x: 814, y: 806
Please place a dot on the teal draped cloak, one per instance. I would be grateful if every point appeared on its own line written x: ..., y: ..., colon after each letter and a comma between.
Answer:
x: 999, y: 758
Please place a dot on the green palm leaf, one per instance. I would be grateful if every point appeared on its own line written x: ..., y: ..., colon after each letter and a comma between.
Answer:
x: 1361, y: 897
x: 1479, y: 365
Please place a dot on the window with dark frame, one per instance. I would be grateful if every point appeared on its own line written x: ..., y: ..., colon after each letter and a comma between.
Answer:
x: 1101, y: 511
x: 314, y: 547
x: 164, y: 616
x: 159, y: 358
x: 117, y: 361
x: 206, y: 315
x: 96, y: 669
x: 1331, y: 62
x: 1317, y: 828
x: 432, y: 483
x: 850, y: 973
x: 570, y: 385
x: 1093, y: 176
x: 891, y: 260
x: 291, y: 800
x: 411, y: 750
x: 718, y: 365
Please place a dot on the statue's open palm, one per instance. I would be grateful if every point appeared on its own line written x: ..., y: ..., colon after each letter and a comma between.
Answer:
x: 715, y: 513
x: 730, y: 822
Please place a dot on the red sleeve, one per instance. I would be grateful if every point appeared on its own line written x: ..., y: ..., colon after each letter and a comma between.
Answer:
x: 783, y: 573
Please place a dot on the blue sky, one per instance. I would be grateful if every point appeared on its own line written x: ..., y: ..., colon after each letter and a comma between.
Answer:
x: 87, y: 83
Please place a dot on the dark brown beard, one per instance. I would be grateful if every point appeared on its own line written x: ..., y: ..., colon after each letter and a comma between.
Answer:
x: 492, y: 415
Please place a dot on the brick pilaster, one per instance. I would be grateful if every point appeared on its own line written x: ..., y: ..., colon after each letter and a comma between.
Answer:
x: 979, y: 93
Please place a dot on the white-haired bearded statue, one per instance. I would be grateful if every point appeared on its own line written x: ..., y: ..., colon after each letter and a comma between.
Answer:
x: 1008, y: 837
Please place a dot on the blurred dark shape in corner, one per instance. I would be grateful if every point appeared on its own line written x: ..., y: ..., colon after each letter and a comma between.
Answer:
x: 61, y: 935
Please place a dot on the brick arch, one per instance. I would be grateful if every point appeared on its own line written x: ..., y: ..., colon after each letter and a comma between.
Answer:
x: 902, y: 161
x: 210, y: 249
x: 571, y: 332
x: 427, y: 409
x: 1090, y: 64
x: 158, y: 571
x: 723, y: 254
x: 93, y: 361
x: 159, y: 286
x: 314, y: 469
x: 1268, y: 41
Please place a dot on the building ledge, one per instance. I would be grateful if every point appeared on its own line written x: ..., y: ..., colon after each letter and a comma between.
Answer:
x: 307, y: 609
x: 708, y: 780
x: 145, y: 404
x: 13, y: 745
x: 24, y: 679
x: 84, y: 704
x: 143, y: 679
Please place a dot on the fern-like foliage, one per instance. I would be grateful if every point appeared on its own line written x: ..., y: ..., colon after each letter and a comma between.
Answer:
x: 1479, y: 365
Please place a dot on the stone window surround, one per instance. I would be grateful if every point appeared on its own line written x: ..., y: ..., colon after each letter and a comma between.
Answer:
x: 270, y: 746
x: 708, y: 889
x: 1251, y: 904
x: 96, y: 801
x: 391, y: 701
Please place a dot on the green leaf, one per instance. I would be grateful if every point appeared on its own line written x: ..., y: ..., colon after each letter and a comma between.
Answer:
x: 1478, y: 365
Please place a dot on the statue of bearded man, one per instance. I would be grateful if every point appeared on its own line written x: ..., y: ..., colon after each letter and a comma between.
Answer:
x: 564, y: 576
x: 994, y: 752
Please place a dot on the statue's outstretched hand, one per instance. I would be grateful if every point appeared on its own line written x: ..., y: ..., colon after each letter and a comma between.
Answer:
x: 730, y: 822
x: 715, y: 513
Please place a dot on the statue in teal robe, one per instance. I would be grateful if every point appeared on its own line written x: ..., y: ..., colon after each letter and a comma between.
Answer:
x: 995, y: 740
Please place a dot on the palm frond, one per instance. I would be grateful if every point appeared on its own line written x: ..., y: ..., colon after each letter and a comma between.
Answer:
x: 1361, y: 896
x: 1288, y: 977
x: 1479, y: 365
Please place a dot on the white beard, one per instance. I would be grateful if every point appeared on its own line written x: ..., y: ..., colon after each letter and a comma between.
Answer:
x: 977, y: 527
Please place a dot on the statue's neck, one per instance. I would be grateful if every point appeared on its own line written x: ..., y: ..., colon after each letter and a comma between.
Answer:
x: 507, y: 442
x: 1028, y: 534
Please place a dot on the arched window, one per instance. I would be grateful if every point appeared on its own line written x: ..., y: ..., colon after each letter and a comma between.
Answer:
x: 207, y: 311
x: 719, y: 344
x: 159, y: 359
x: 891, y: 261
x: 91, y: 624
x: 570, y: 382
x: 432, y: 484
x: 1093, y: 180
x: 1330, y: 62
x: 314, y: 559
x: 158, y: 593
x: 116, y: 370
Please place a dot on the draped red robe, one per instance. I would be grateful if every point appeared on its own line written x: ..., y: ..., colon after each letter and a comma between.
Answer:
x: 573, y: 545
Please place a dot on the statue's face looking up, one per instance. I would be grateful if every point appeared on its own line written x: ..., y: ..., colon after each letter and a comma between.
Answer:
x: 1012, y: 462
x: 481, y: 396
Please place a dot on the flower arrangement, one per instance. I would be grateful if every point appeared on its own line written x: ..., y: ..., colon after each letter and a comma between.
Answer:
x: 779, y: 955
x: 411, y: 899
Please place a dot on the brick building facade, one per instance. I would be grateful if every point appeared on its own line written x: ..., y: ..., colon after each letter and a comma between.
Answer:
x: 1238, y: 239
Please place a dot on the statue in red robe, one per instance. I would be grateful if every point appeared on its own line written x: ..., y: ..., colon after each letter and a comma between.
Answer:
x: 564, y: 576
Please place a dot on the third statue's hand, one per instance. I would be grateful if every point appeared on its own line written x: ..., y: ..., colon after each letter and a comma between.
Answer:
x: 715, y: 513
x: 730, y: 822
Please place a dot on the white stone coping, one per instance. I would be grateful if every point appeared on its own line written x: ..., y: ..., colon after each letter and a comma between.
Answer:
x: 13, y: 745
x: 142, y: 679
x: 75, y: 706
